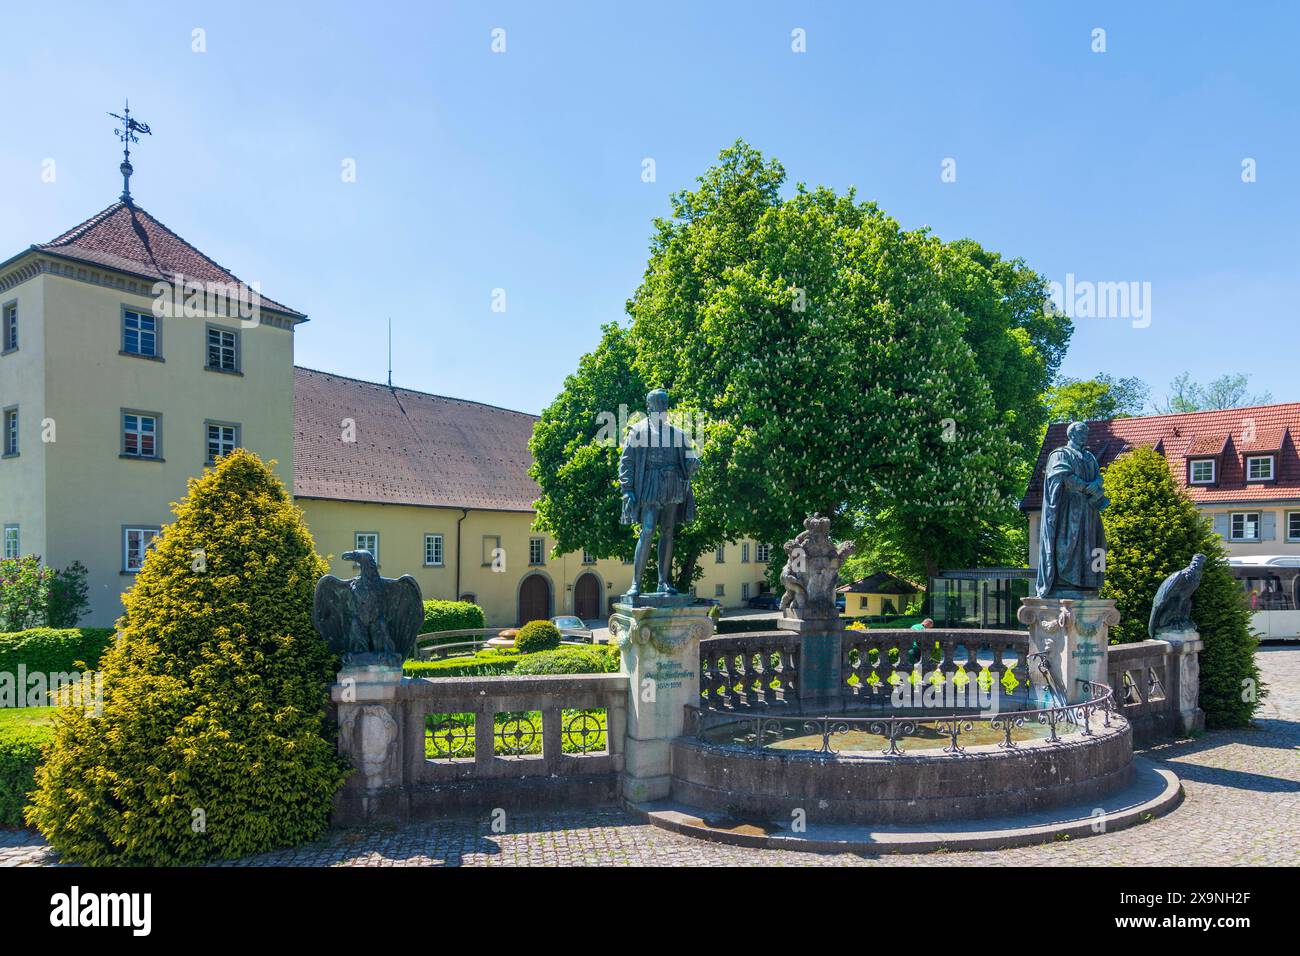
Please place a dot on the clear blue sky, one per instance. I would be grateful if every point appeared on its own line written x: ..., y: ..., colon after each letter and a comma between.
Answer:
x: 523, y: 170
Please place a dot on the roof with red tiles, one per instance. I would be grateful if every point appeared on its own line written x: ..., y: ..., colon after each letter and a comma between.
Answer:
x: 126, y: 238
x: 1225, y: 435
x: 411, y: 448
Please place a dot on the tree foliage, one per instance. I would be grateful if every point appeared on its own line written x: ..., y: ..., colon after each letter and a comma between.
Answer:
x: 1226, y: 391
x: 211, y: 742
x: 1101, y: 397
x: 1152, y: 529
x: 838, y: 363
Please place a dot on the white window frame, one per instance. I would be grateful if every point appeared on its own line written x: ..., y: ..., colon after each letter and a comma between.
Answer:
x: 222, y: 349
x: 433, y: 553
x: 719, y: 590
x: 744, y: 591
x: 1272, y: 467
x: 151, y: 531
x: 141, y: 332
x: 13, y: 547
x: 359, y: 536
x: 234, y: 443
x: 588, y: 557
x: 1244, y: 515
x: 1293, y: 525
x: 762, y: 554
x: 9, y: 327
x: 536, y: 552
x: 720, y: 556
x: 1191, y: 471
x: 10, y: 423
x: 744, y: 552
x: 139, y: 431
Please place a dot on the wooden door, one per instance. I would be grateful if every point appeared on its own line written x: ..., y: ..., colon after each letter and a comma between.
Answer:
x: 534, y: 599
x: 586, y: 597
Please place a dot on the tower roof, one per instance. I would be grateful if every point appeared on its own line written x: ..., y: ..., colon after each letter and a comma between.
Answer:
x: 126, y: 238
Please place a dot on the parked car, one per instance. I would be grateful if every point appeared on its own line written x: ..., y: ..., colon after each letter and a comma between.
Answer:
x: 572, y: 628
x: 765, y: 602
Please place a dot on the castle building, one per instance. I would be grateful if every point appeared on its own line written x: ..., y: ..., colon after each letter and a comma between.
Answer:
x: 129, y: 361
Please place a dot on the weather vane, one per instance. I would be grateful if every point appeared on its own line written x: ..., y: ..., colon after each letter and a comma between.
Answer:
x: 128, y: 134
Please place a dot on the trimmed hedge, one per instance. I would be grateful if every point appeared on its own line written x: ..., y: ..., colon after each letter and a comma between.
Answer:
x: 537, y: 636
x: 54, y: 650
x: 451, y: 616
x: 21, y: 742
x: 486, y: 663
x: 597, y: 659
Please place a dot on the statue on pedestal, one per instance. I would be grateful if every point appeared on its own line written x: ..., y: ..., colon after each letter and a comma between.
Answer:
x: 812, y: 571
x: 1172, y: 608
x: 370, y: 620
x: 1071, y: 542
x: 654, y: 475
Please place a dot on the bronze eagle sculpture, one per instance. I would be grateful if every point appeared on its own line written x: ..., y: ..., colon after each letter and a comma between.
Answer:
x: 1172, y: 607
x: 369, y: 619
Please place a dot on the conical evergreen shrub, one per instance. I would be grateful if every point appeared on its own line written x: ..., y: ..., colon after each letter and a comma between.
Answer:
x: 212, y: 741
x: 1152, y: 529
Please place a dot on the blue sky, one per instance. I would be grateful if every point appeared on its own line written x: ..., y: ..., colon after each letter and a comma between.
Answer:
x: 522, y: 170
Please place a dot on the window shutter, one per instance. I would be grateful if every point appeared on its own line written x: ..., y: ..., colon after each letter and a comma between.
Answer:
x: 1222, y: 525
x: 1268, y: 525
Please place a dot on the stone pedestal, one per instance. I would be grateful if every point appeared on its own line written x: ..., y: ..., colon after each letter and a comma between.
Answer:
x: 1072, y: 634
x: 660, y: 646
x: 819, y: 660
x: 1184, y: 675
x: 370, y: 720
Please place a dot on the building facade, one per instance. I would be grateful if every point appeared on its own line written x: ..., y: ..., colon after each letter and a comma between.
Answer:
x: 125, y: 369
x: 1239, y: 465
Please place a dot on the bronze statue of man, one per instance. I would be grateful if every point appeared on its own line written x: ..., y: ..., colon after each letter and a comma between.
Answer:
x: 654, y: 475
x: 1071, y: 542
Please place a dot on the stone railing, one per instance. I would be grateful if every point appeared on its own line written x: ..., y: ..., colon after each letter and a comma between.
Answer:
x: 426, y: 748
x: 1156, y: 685
x: 870, y: 658
x: 748, y: 671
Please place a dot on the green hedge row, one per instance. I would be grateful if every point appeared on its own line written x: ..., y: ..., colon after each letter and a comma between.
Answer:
x: 451, y: 616
x: 53, y: 650
x: 594, y: 659
x: 20, y: 751
x: 486, y: 663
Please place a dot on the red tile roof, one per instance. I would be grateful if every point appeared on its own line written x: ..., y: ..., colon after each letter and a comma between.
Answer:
x: 128, y: 239
x: 411, y: 448
x: 1228, y: 433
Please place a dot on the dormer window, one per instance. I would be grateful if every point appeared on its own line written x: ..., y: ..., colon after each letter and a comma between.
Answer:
x: 1202, y: 471
x: 1259, y: 468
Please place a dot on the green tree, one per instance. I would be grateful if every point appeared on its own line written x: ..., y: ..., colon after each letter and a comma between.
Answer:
x: 211, y: 740
x: 1152, y: 529
x: 1226, y: 391
x: 817, y: 343
x: 1102, y: 397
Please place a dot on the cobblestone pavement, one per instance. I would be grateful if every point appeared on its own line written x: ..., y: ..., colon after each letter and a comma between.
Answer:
x: 1242, y: 808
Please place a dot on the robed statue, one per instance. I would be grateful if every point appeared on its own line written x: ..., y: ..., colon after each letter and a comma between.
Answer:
x: 1071, y: 542
x: 654, y: 476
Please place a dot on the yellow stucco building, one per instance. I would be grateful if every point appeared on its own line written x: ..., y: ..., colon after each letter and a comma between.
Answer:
x: 128, y: 360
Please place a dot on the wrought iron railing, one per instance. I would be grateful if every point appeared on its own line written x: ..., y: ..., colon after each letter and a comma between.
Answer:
x: 765, y: 731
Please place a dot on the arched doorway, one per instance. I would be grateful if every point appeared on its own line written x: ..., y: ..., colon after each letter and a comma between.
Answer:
x: 586, y: 596
x: 534, y: 599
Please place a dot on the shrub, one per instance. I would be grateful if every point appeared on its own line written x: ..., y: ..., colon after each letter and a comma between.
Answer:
x: 23, y: 733
x: 537, y: 636
x: 486, y: 663
x: 212, y: 741
x: 1152, y: 529
x: 54, y: 650
x: 32, y: 595
x: 451, y: 616
x: 597, y: 659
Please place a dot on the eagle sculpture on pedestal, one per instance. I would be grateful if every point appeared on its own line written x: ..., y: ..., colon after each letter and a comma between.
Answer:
x: 369, y: 619
x: 1172, y: 607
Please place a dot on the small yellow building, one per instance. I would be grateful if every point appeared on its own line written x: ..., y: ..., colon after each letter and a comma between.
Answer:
x: 876, y: 595
x: 128, y: 360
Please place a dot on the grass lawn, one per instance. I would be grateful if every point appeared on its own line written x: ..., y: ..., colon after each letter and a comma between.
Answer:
x: 15, y: 718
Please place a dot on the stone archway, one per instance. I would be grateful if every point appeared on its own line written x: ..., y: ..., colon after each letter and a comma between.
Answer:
x: 586, y: 596
x: 534, y: 599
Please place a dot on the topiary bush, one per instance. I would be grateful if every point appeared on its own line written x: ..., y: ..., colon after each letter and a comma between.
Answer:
x: 1152, y: 529
x: 212, y: 741
x: 54, y: 650
x: 451, y: 616
x: 537, y: 636
x: 598, y: 659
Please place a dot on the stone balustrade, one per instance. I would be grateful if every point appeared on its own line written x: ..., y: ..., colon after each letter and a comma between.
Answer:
x: 745, y: 671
